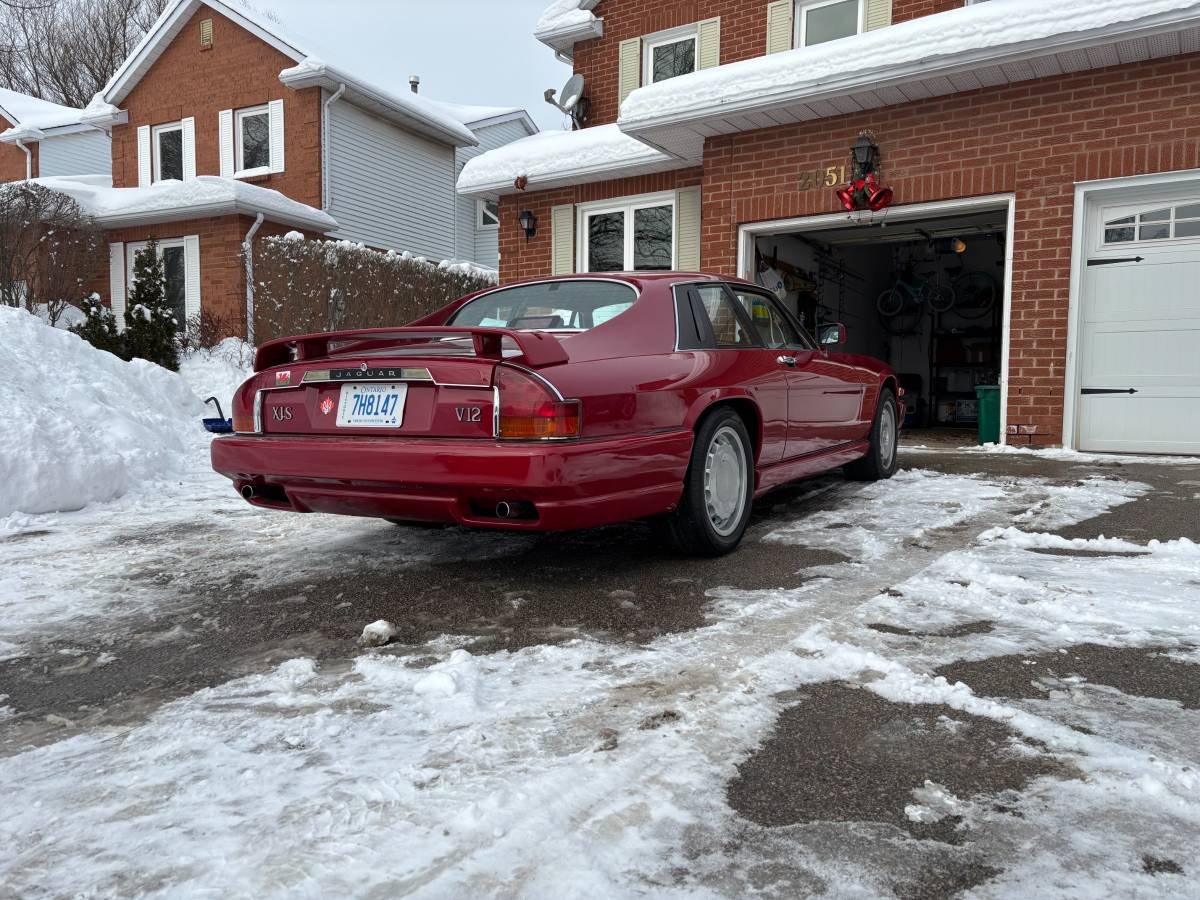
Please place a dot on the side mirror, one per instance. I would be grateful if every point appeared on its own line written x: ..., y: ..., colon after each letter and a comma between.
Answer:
x: 832, y: 335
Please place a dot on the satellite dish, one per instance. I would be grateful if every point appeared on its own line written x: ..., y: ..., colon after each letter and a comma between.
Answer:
x: 572, y: 102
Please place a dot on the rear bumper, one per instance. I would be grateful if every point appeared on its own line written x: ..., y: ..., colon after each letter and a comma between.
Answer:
x: 570, y: 485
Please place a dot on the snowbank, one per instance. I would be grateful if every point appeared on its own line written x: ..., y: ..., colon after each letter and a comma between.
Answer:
x: 82, y: 425
x: 218, y: 372
x: 560, y: 157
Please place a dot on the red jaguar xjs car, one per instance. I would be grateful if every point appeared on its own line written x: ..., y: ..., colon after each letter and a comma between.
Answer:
x: 563, y: 403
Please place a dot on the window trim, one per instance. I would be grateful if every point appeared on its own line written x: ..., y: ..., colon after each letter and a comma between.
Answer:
x: 133, y: 248
x: 263, y: 109
x: 156, y: 150
x: 664, y: 38
x: 480, y: 209
x: 800, y: 14
x: 626, y: 205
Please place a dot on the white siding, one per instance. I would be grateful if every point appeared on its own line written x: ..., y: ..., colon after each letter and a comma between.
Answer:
x: 481, y: 246
x: 85, y: 153
x: 389, y: 188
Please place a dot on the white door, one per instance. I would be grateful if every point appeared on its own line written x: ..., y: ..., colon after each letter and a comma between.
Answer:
x: 1139, y: 375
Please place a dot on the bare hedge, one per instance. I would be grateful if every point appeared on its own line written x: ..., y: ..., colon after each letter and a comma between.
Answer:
x: 303, y: 286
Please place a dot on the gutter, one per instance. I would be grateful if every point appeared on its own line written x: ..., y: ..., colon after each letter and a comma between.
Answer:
x: 28, y: 159
x: 326, y: 186
x: 248, y: 249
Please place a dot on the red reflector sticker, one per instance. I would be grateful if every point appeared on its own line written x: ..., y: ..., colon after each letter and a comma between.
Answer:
x: 283, y: 379
x: 327, y: 405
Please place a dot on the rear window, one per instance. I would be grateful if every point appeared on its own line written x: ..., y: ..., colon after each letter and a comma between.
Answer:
x: 574, y: 305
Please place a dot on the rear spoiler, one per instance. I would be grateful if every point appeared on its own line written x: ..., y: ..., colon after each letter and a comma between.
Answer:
x: 537, y: 348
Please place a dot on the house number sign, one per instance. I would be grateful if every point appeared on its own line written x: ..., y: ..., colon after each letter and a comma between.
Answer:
x: 812, y: 179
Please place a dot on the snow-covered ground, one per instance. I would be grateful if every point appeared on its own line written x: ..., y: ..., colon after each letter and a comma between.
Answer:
x: 594, y: 766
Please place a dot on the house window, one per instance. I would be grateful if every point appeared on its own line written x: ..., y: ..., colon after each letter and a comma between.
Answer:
x: 637, y: 235
x: 669, y: 54
x: 253, y: 139
x: 168, y: 151
x: 1164, y: 224
x: 819, y: 21
x: 487, y: 214
x: 174, y: 262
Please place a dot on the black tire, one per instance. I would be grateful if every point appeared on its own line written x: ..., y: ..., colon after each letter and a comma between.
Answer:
x: 881, y: 460
x: 691, y: 529
x: 939, y: 296
x: 891, y: 303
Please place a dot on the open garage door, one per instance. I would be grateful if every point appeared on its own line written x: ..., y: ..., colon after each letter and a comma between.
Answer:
x: 920, y: 288
x: 1139, y: 335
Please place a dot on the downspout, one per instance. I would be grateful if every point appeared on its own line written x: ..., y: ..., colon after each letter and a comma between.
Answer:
x: 248, y: 249
x: 28, y: 160
x: 326, y: 193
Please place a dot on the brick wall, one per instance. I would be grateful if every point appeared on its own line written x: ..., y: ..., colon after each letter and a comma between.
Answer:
x: 1035, y: 140
x: 743, y: 36
x: 12, y: 158
x: 529, y: 259
x: 222, y: 270
x: 238, y: 71
x: 903, y: 10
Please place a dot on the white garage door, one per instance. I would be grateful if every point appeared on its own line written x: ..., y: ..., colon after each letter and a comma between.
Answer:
x: 1139, y: 332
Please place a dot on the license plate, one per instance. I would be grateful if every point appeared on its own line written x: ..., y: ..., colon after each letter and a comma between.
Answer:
x: 372, y: 405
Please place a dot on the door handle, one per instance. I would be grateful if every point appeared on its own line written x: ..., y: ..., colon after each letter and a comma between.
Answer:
x: 789, y: 361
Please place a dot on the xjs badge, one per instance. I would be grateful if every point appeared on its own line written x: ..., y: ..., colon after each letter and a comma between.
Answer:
x: 283, y: 379
x: 327, y: 406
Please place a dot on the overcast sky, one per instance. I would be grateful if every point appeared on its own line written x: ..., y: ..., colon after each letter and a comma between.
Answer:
x: 479, y: 52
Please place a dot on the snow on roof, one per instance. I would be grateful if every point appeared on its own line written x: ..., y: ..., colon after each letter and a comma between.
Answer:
x: 32, y: 113
x: 327, y: 51
x: 206, y: 195
x: 1003, y: 32
x: 555, y: 158
x: 566, y: 21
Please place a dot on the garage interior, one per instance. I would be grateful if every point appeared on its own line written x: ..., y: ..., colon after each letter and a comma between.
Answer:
x: 924, y: 295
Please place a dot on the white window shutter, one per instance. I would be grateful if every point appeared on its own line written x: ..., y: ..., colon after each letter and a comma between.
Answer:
x: 879, y: 14
x: 629, y: 77
x: 191, y: 277
x: 225, y: 139
x: 189, y: 149
x: 145, y: 164
x: 562, y: 240
x: 116, y: 282
x: 276, y: 109
x: 708, y: 40
x: 687, y: 229
x: 779, y: 25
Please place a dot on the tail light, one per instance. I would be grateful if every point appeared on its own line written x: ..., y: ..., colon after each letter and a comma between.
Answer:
x: 529, y: 410
x: 246, y: 415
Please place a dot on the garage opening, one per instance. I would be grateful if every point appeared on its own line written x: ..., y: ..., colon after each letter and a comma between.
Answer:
x: 926, y: 295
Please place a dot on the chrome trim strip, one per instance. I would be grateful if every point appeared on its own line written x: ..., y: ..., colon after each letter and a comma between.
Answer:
x: 407, y: 373
x: 536, y: 376
x: 258, y: 405
x: 495, y: 413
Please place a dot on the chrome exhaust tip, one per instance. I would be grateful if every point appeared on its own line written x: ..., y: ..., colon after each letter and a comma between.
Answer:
x: 248, y: 492
x: 503, y: 510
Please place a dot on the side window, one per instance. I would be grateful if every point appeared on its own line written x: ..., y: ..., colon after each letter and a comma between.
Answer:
x: 774, y: 328
x: 722, y: 318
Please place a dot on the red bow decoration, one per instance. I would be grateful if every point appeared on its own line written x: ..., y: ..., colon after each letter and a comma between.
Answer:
x: 865, y: 193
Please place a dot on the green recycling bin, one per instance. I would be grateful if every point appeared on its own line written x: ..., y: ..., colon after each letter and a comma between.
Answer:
x: 988, y: 396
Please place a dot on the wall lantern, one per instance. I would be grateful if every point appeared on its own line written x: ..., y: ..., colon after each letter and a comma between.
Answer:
x: 866, y: 155
x: 528, y: 224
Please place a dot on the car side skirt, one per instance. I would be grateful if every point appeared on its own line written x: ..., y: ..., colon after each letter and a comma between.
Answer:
x: 789, y: 470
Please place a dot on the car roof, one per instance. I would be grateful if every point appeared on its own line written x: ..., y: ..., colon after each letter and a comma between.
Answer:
x: 634, y: 278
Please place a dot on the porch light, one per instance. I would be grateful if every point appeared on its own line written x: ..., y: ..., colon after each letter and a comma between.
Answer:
x: 528, y: 224
x: 866, y: 154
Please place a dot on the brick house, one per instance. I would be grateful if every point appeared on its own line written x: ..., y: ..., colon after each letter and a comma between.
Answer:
x: 1044, y: 159
x: 226, y: 128
x: 40, y: 138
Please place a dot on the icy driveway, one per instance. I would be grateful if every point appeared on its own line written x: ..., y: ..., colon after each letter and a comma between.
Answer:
x: 577, y: 717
